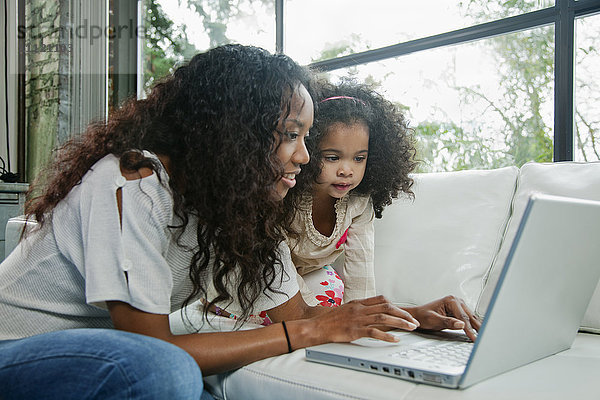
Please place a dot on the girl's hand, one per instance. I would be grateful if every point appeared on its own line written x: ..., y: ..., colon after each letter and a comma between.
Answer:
x: 363, y: 318
x: 447, y: 313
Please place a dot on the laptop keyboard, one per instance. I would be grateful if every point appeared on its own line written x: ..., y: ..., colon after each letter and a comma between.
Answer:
x: 454, y: 354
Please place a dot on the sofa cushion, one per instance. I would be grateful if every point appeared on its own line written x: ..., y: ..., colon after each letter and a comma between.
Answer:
x: 292, y: 377
x: 444, y: 240
x: 573, y: 179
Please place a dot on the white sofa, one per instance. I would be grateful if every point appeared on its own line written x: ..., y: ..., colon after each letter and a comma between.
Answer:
x: 452, y: 239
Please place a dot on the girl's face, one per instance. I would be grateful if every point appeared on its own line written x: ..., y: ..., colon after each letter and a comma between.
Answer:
x: 291, y: 150
x: 344, y: 150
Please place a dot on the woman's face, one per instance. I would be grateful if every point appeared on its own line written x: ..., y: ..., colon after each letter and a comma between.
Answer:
x: 291, y: 150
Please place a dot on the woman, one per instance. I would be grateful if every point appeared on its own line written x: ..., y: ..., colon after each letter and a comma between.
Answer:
x: 174, y: 199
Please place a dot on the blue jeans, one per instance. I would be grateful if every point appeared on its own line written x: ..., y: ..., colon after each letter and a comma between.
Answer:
x: 97, y: 364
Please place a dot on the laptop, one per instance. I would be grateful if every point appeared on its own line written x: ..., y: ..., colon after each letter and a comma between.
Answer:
x: 536, y: 309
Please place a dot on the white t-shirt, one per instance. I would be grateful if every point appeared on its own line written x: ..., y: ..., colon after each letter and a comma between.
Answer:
x: 60, y: 277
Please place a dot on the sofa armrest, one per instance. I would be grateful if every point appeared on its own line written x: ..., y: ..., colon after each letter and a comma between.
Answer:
x: 13, y: 230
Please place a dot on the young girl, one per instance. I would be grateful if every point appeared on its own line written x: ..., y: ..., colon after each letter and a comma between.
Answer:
x: 361, y: 154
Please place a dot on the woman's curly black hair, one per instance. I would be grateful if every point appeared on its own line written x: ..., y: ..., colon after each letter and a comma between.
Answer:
x: 215, y: 119
x: 391, y: 143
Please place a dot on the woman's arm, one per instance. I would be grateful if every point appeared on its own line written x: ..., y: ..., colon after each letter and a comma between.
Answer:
x: 217, y: 352
x: 214, y: 352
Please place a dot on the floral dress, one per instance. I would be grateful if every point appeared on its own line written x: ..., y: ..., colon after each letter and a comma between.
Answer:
x: 340, y: 267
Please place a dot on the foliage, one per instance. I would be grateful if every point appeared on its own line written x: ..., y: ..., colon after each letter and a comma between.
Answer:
x: 525, y: 75
x: 587, y: 118
x: 216, y: 15
x: 340, y: 48
x: 166, y: 44
x: 482, y: 9
x: 446, y: 146
x: 525, y: 62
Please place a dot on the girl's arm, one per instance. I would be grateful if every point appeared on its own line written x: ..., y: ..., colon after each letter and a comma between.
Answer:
x: 217, y: 352
x: 358, y: 269
x: 446, y: 313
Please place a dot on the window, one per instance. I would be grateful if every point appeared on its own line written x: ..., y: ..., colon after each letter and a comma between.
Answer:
x: 587, y: 89
x: 483, y: 104
x: 342, y: 27
x: 534, y: 14
x: 478, y: 78
x: 175, y: 31
x: 63, y: 56
x: 484, y: 83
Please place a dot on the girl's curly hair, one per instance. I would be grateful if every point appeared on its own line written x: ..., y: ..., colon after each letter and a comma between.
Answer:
x: 391, y: 143
x: 215, y: 118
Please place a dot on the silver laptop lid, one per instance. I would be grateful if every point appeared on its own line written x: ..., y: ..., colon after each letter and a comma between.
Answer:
x: 548, y: 279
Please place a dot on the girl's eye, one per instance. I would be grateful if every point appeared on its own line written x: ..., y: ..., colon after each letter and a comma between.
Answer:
x: 360, y: 159
x: 331, y: 158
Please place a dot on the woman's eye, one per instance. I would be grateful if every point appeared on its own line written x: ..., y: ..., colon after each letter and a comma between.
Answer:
x: 292, y: 135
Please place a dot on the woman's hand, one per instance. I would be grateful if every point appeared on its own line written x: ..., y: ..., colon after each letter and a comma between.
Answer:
x: 363, y: 318
x: 446, y: 313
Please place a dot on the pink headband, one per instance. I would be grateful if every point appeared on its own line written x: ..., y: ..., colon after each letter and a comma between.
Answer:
x: 343, y: 97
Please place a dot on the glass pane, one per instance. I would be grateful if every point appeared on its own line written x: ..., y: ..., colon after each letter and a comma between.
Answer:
x: 65, y: 76
x: 43, y: 87
x: 176, y: 30
x: 485, y: 104
x: 317, y: 30
x: 587, y: 90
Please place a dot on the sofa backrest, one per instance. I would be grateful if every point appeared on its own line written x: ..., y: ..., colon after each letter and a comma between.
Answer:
x: 573, y: 179
x: 444, y: 241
